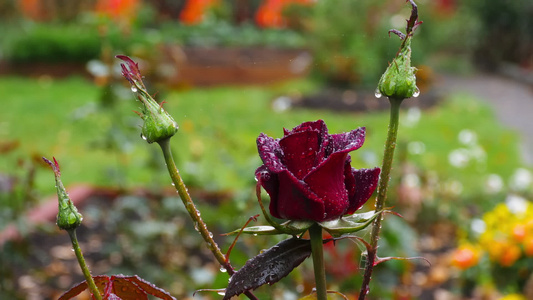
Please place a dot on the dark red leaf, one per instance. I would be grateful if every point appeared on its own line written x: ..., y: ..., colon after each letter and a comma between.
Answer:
x: 120, y: 287
x: 151, y: 288
x: 269, y: 266
x: 126, y: 289
x: 100, y: 281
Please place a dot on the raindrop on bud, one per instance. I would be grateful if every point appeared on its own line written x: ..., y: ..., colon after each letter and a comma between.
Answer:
x: 417, y: 93
x: 377, y: 93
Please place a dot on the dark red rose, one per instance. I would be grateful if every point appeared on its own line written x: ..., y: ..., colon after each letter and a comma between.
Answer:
x: 308, y: 175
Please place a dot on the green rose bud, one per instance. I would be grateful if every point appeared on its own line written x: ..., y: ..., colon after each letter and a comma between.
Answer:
x: 68, y: 216
x: 399, y: 80
x: 158, y: 124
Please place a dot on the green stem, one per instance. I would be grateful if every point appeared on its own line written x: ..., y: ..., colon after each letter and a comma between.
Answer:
x: 318, y: 261
x: 194, y: 213
x: 390, y: 146
x: 81, y: 261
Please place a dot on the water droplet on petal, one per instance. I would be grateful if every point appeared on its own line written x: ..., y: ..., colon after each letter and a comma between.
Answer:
x: 134, y: 89
x: 223, y: 270
x: 143, y: 137
x: 417, y: 93
x: 377, y: 93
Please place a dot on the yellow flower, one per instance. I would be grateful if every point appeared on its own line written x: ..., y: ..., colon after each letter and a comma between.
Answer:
x: 513, y: 297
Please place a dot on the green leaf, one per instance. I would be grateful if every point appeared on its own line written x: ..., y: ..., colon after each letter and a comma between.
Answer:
x: 258, y: 230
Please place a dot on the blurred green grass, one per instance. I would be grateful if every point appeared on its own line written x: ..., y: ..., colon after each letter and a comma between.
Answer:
x: 215, y: 146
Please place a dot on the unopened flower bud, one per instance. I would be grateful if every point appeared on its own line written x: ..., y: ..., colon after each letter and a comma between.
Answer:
x: 158, y: 124
x: 68, y: 216
x: 399, y: 80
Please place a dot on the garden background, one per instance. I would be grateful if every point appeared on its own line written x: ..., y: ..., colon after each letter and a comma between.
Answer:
x: 229, y: 70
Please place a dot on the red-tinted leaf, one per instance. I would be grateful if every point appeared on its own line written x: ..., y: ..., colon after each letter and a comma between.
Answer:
x: 126, y: 289
x: 100, y: 281
x: 413, y: 22
x: 151, y: 288
x: 120, y: 287
x: 74, y: 291
x: 269, y: 266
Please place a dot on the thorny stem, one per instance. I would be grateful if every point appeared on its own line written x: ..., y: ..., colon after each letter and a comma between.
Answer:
x: 388, y: 156
x: 199, y: 224
x: 84, y: 268
x: 317, y: 249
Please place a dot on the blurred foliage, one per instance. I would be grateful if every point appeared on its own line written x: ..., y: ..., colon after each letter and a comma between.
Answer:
x: 213, y: 33
x: 351, y: 47
x: 506, y: 34
x: 55, y: 43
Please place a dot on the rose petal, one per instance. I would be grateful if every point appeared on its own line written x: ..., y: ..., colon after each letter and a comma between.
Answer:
x: 347, y: 141
x: 365, y: 183
x: 320, y: 127
x: 296, y: 201
x: 299, y: 152
x: 269, y: 181
x: 317, y: 125
x: 327, y: 181
x: 270, y: 152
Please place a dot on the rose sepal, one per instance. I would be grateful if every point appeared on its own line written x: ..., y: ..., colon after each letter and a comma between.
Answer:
x: 293, y: 227
x: 350, y: 224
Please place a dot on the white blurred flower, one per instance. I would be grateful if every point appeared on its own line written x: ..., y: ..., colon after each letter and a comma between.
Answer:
x: 411, y: 180
x: 416, y: 147
x: 369, y: 157
x: 467, y: 137
x: 516, y: 204
x: 478, y: 226
x: 202, y: 276
x: 459, y: 158
x: 521, y: 180
x: 97, y: 68
x: 412, y: 117
x: 281, y: 104
x: 494, y: 183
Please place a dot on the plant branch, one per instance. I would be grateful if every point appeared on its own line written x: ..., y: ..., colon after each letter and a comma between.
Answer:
x: 194, y: 213
x: 390, y: 146
x: 84, y: 268
x: 318, y: 261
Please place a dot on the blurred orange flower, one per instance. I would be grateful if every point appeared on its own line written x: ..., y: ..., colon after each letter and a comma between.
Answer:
x: 510, y: 255
x: 270, y: 13
x: 118, y: 10
x: 194, y: 11
x: 519, y: 232
x: 466, y: 256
